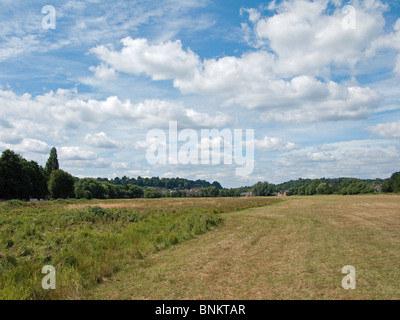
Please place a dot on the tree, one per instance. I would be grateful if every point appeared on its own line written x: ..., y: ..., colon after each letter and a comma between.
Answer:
x: 35, y: 179
x: 12, y: 179
x: 263, y: 189
x: 323, y: 188
x: 52, y: 162
x: 91, y: 188
x: 61, y: 184
x: 135, y: 192
x: 217, y: 185
x: 152, y: 193
x: 392, y: 184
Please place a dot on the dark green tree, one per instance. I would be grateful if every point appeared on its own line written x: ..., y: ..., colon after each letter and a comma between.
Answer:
x: 61, y: 184
x: 35, y: 179
x: 52, y: 162
x: 13, y: 185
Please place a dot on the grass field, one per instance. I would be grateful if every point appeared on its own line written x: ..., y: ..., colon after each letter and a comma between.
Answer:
x: 87, y: 241
x: 220, y: 248
x: 294, y: 249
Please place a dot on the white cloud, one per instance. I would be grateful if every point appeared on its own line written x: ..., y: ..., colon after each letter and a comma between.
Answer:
x: 320, y: 156
x: 120, y: 165
x: 101, y: 75
x: 391, y: 129
x: 251, y: 80
x: 356, y: 158
x: 101, y: 140
x: 306, y: 39
x: 34, y: 145
x: 164, y: 61
x: 27, y: 146
x: 269, y: 144
x: 55, y: 115
x: 389, y: 41
x: 76, y: 153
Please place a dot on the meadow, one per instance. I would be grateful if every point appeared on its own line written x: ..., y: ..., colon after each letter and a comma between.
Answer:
x: 202, y: 248
x: 293, y: 249
x: 89, y: 241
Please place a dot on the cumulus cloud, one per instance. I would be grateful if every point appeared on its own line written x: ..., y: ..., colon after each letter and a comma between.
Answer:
x: 269, y: 144
x: 28, y: 145
x: 101, y: 75
x: 54, y: 115
x: 163, y: 61
x: 101, y: 140
x: 390, y: 130
x: 285, y: 77
x: 76, y: 153
x: 306, y: 39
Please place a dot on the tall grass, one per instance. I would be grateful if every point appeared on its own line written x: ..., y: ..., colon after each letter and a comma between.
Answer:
x: 88, y: 244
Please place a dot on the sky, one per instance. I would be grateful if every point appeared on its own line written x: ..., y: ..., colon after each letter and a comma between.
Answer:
x: 318, y: 82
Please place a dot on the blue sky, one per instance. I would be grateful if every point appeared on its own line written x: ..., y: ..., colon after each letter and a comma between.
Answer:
x: 321, y: 95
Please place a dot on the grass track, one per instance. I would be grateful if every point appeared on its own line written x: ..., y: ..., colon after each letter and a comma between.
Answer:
x: 291, y: 250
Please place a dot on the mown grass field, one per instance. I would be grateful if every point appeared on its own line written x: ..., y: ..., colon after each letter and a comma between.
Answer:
x: 294, y: 249
x: 88, y: 241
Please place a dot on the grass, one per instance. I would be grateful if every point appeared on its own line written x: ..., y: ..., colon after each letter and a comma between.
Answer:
x: 294, y: 249
x: 89, y: 241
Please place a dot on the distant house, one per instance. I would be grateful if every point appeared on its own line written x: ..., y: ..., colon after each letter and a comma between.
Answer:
x: 282, y: 194
x: 246, y: 194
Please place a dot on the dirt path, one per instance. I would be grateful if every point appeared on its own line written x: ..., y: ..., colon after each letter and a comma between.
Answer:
x: 292, y: 250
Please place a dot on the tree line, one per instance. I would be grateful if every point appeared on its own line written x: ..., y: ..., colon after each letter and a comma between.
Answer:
x: 166, y: 183
x: 344, y: 186
x: 23, y: 179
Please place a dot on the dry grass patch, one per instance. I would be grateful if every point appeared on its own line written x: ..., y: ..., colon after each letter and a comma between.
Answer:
x: 292, y: 250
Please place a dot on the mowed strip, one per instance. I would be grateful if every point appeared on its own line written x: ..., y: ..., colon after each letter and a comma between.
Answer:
x: 294, y: 249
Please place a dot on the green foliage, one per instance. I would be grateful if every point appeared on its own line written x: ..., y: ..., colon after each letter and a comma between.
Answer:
x: 61, y: 184
x: 234, y: 192
x: 209, y: 192
x: 263, y: 189
x: 13, y: 180
x: 328, y: 186
x: 52, y: 162
x: 166, y: 183
x: 135, y: 192
x: 152, y: 193
x: 20, y: 179
x: 89, y: 188
x: 392, y: 184
x: 35, y: 178
x: 323, y: 188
